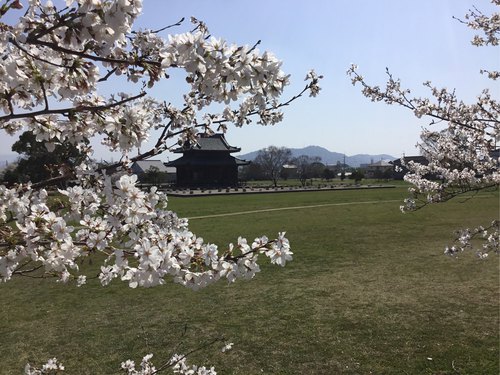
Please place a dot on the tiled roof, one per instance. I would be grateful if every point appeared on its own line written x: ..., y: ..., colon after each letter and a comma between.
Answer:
x: 144, y: 165
x: 215, y: 142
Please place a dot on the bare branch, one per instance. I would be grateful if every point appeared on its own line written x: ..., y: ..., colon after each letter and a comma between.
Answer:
x: 178, y: 23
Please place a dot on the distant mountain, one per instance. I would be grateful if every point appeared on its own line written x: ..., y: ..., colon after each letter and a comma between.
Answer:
x: 329, y: 157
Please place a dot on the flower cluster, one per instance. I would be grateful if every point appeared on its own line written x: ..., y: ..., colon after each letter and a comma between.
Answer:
x: 463, y: 156
x: 488, y: 236
x: 52, y: 367
x: 489, y: 25
x: 143, y: 241
x: 178, y: 365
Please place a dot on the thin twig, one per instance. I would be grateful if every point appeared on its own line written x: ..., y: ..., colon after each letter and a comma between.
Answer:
x: 24, y: 272
x: 108, y: 74
x: 169, y: 364
x: 178, y: 23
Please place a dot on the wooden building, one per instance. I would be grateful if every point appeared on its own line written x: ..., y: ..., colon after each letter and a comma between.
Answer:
x: 208, y: 163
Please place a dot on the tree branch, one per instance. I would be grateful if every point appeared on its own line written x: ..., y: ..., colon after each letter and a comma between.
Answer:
x: 14, y: 42
x: 56, y: 47
x: 78, y: 109
x: 178, y: 23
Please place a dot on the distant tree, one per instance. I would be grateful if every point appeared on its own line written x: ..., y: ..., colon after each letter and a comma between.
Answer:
x: 37, y: 163
x: 306, y: 167
x: 342, y: 175
x: 11, y: 176
x: 285, y: 173
x: 317, y: 168
x: 272, y: 159
x: 382, y: 174
x: 387, y: 175
x: 328, y: 174
x: 153, y: 176
x: 252, y: 171
x: 357, y: 175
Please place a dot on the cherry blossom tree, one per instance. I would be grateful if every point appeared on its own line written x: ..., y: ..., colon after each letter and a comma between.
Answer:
x: 462, y: 148
x: 53, y: 61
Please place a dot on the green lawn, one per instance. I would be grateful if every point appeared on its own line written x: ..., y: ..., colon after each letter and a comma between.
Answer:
x: 369, y: 291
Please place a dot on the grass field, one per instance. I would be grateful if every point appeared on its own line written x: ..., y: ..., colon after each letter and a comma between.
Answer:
x: 369, y: 292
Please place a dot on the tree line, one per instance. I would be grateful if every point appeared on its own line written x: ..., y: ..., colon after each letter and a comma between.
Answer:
x: 277, y: 163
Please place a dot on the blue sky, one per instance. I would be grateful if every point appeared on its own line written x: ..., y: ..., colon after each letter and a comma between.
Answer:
x: 417, y: 40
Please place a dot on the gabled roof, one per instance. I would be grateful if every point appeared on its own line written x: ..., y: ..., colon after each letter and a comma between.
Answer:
x: 142, y: 166
x: 205, y: 142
